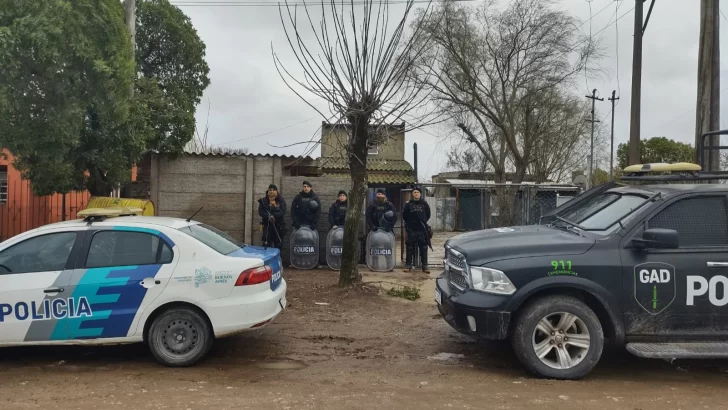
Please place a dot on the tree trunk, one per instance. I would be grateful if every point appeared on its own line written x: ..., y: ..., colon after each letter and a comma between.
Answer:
x: 516, y: 204
x: 357, y: 152
x: 96, y: 185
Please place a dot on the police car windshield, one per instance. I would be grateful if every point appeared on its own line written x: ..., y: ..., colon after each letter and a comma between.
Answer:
x: 602, y: 212
x: 213, y: 237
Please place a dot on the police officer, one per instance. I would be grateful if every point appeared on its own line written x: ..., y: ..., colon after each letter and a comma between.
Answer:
x: 376, y: 211
x: 272, y: 210
x: 301, y: 211
x: 415, y: 215
x: 337, y: 211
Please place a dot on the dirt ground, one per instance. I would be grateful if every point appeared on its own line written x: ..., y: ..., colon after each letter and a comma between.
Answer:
x: 357, y: 349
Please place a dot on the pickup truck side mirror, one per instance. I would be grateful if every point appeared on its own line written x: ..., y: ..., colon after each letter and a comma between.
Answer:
x: 657, y: 238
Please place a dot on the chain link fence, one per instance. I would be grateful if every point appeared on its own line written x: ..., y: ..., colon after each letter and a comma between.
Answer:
x: 475, y: 205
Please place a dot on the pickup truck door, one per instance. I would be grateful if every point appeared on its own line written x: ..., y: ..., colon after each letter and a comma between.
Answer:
x: 680, y: 293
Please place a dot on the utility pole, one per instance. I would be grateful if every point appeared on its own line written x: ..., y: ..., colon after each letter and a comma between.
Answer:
x: 708, y: 102
x: 130, y: 19
x: 634, y: 123
x: 593, y: 120
x: 611, y: 149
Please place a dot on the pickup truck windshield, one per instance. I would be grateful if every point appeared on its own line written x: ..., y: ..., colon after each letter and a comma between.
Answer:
x: 603, y: 212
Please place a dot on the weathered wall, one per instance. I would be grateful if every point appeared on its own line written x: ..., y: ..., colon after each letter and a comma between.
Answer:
x: 217, y: 184
x: 335, y: 140
x: 227, y: 187
x: 442, y: 213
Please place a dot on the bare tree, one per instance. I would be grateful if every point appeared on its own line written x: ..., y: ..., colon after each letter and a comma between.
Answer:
x: 564, y: 136
x: 498, y: 68
x: 466, y: 158
x: 358, y: 63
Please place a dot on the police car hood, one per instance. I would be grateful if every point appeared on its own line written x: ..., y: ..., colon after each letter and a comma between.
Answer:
x: 488, y: 245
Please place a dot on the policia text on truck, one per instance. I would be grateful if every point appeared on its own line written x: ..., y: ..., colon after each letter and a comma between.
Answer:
x: 643, y: 265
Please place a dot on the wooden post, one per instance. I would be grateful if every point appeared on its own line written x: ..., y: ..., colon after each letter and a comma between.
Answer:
x: 634, y: 125
x: 708, y: 99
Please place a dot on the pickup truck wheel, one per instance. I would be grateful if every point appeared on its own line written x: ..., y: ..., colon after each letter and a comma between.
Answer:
x: 558, y: 337
x: 179, y: 337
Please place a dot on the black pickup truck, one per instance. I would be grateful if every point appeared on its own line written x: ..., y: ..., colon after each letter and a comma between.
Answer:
x: 644, y: 266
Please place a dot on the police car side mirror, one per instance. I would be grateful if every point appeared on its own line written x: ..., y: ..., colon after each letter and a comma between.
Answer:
x: 657, y: 238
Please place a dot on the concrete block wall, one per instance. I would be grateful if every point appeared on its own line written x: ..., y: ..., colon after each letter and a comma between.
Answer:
x: 264, y: 171
x: 217, y: 184
x: 226, y: 187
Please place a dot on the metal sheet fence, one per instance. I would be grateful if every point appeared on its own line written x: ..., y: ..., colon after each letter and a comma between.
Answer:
x: 458, y: 207
x: 23, y: 211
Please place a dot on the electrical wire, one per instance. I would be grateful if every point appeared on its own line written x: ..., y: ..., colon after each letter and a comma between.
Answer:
x: 574, y: 47
x: 268, y: 133
x: 682, y: 115
x: 597, y: 13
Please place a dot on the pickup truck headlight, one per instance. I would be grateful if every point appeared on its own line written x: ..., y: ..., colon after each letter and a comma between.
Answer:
x: 491, y: 281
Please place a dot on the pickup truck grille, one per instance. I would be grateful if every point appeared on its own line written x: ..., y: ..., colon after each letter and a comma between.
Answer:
x: 455, y: 260
x: 456, y: 278
x: 457, y: 270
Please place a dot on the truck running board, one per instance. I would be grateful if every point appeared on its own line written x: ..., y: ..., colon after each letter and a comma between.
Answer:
x: 714, y: 350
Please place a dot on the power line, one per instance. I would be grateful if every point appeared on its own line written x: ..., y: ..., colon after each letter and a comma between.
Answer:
x: 590, y: 18
x: 574, y: 47
x: 682, y: 115
x: 268, y: 133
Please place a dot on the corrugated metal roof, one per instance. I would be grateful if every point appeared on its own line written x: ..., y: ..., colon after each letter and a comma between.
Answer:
x: 378, y: 178
x: 237, y: 152
x: 490, y: 183
x: 373, y: 164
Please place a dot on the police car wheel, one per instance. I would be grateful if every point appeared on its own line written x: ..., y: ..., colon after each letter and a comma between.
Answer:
x: 558, y: 337
x: 179, y: 337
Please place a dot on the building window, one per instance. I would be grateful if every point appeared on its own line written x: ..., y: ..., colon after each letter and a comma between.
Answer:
x: 373, y: 150
x: 3, y: 184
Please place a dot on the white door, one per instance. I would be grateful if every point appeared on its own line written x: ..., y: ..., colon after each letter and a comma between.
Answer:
x: 34, y: 274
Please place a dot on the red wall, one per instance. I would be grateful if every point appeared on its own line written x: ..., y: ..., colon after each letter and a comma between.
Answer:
x: 24, y: 211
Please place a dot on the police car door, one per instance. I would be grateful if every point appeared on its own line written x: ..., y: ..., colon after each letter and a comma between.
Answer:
x: 34, y: 274
x: 680, y: 292
x: 118, y: 270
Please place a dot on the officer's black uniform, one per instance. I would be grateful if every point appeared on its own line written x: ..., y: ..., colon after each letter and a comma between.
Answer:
x: 376, y: 210
x: 337, y: 211
x: 300, y: 211
x: 272, y: 218
x: 415, y: 215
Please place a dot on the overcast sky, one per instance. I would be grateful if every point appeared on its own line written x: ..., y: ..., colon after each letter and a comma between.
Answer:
x: 248, y: 98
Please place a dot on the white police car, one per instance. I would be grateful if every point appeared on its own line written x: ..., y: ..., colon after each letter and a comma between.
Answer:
x: 114, y: 278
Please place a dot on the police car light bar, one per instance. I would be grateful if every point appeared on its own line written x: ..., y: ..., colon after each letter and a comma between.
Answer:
x: 680, y: 171
x: 112, y: 212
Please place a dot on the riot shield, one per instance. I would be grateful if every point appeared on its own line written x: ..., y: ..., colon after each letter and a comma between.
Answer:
x: 380, y: 250
x: 334, y: 246
x: 304, y: 248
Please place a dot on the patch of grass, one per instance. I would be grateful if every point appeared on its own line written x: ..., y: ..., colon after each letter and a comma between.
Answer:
x: 406, y: 292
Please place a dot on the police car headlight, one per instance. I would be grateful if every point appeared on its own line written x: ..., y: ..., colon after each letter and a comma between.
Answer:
x: 491, y: 281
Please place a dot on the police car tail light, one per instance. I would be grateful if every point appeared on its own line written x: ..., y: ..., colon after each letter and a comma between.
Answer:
x: 254, y: 276
x: 491, y: 281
